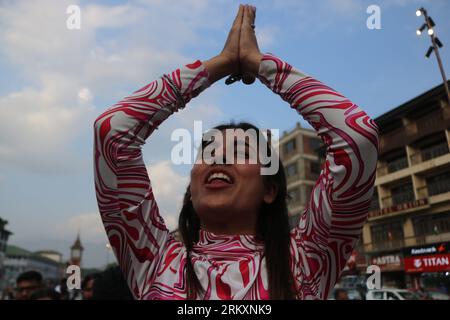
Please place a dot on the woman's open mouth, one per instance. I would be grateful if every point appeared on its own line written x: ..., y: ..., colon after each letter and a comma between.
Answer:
x: 218, y: 180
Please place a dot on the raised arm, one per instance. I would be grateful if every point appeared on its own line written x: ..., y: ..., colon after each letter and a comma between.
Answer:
x: 332, y: 223
x: 125, y: 197
x: 340, y: 199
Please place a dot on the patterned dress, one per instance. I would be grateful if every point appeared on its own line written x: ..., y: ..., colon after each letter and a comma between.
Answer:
x: 233, y: 266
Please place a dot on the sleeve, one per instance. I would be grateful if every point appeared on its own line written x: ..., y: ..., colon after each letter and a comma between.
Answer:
x: 127, y: 206
x: 333, y: 220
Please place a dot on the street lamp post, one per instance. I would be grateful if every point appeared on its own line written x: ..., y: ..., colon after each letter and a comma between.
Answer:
x: 436, y: 44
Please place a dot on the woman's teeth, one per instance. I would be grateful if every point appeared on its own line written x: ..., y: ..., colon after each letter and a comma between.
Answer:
x: 219, y: 175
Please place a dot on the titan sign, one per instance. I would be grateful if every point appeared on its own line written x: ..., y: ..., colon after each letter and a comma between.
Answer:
x: 431, y: 258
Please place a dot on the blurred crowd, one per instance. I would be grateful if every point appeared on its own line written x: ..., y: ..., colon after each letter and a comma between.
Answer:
x: 107, y: 285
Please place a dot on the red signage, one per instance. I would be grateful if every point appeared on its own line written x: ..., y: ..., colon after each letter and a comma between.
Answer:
x: 429, y: 263
x: 400, y: 207
x: 389, y: 262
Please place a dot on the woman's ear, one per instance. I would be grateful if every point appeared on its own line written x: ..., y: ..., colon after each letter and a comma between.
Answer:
x: 271, y: 192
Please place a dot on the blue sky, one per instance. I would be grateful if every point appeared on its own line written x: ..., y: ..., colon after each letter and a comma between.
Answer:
x: 55, y: 81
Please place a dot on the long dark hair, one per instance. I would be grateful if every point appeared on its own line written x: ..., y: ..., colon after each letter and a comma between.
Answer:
x: 272, y: 228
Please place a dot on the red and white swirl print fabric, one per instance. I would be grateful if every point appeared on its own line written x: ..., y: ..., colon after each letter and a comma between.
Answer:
x: 233, y: 267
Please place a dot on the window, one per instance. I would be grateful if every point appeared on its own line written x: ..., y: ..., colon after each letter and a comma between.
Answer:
x: 294, y: 195
x: 402, y: 194
x: 289, y: 146
x: 315, y: 144
x: 291, y: 170
x: 397, y: 164
x: 387, y: 235
x: 377, y: 295
x: 391, y: 296
x: 438, y: 184
x: 430, y: 225
x: 374, y: 204
x: 315, y: 167
x: 434, y: 151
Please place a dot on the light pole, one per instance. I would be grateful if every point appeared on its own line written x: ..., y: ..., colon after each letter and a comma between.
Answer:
x: 108, y: 249
x: 436, y: 44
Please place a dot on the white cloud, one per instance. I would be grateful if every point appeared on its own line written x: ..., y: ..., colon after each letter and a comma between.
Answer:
x: 65, y: 69
x: 169, y: 188
x: 89, y: 225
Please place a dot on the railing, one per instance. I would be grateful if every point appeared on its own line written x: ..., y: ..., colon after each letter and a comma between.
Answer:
x: 430, y: 153
x: 388, y: 245
x: 429, y: 122
x: 406, y: 242
x: 398, y: 198
x: 438, y: 187
x: 392, y: 166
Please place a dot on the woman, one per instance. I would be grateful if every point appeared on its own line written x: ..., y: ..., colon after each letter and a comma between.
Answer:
x: 236, y: 239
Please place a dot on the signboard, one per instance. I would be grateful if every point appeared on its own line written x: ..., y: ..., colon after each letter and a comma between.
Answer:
x: 428, y: 263
x: 400, y: 207
x: 428, y: 258
x: 389, y: 262
x: 436, y: 248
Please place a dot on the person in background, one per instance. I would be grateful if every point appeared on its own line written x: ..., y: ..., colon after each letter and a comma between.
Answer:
x: 45, y: 294
x: 28, y: 283
x: 111, y: 285
x: 87, y: 287
x: 340, y: 294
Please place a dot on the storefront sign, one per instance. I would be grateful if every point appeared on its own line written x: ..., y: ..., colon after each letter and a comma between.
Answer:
x: 437, y: 248
x: 397, y: 208
x: 428, y: 263
x: 389, y: 262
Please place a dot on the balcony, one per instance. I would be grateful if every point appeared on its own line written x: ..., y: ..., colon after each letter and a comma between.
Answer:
x: 398, y: 198
x: 392, y: 166
x: 374, y: 204
x: 385, y: 245
x: 438, y: 184
x: 392, y: 140
x: 406, y: 242
x: 429, y: 153
x: 428, y: 122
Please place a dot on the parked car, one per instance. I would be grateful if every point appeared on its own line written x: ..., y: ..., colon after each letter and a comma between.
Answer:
x: 438, y: 295
x: 352, y: 294
x: 391, y: 294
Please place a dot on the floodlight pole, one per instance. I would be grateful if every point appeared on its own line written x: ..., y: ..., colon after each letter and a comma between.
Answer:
x: 436, y: 51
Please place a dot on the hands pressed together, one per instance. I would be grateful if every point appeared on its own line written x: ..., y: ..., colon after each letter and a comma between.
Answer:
x: 240, y: 55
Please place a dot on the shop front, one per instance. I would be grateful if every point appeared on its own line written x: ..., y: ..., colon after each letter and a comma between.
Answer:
x: 392, y: 268
x: 428, y: 266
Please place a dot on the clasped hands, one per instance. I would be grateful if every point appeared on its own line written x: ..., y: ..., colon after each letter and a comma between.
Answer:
x: 240, y: 55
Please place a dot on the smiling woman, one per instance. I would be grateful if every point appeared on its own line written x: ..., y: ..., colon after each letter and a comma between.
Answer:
x: 236, y: 242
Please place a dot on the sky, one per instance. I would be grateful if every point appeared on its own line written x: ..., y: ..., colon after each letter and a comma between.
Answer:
x: 54, y: 82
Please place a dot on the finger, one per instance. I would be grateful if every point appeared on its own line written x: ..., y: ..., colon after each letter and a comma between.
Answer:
x: 249, y: 16
x: 252, y: 14
x: 238, y: 20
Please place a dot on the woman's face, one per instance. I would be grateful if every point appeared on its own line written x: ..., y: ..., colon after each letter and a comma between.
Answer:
x: 228, y: 197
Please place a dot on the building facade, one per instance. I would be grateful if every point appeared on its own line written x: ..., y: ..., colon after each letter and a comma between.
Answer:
x: 299, y: 152
x: 4, y: 236
x: 19, y: 260
x: 408, y: 231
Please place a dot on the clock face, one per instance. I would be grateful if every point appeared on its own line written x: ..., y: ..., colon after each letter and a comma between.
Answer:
x: 76, y: 253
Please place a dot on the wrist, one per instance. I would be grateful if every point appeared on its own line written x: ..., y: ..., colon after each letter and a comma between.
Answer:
x: 254, y: 63
x: 218, y: 67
